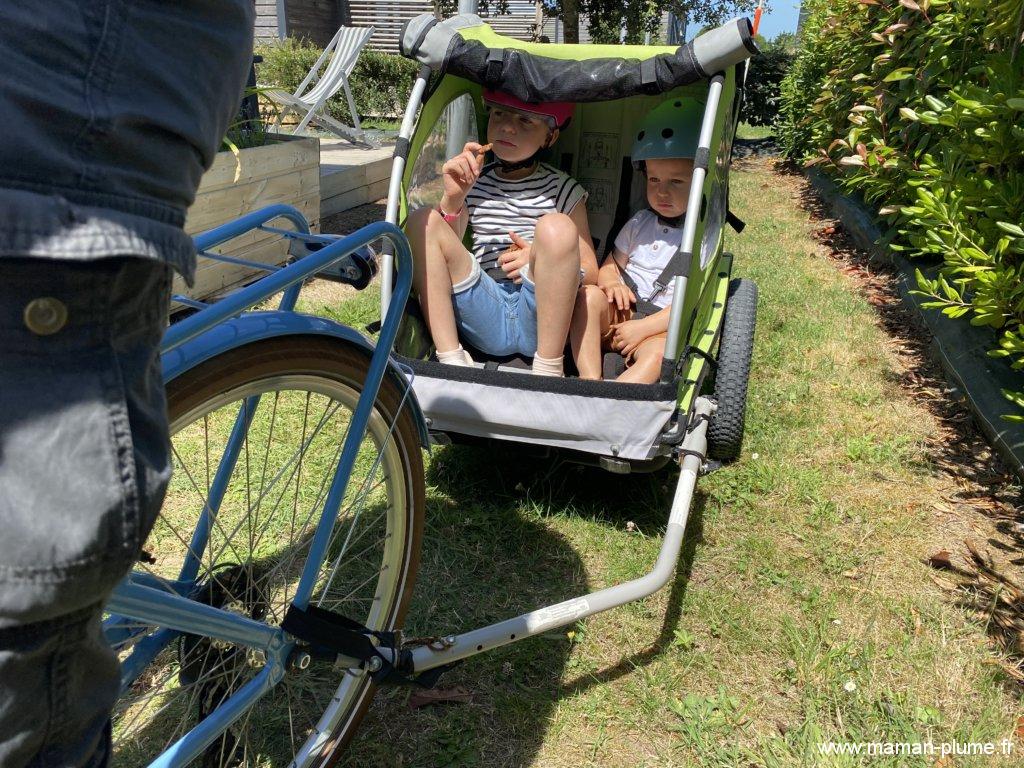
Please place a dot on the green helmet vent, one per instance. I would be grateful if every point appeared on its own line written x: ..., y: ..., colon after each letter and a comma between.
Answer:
x: 670, y: 130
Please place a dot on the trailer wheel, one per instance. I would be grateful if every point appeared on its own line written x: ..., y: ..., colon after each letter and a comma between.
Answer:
x: 725, y: 432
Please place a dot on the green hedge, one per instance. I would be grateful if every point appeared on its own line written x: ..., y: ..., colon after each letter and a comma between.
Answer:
x: 381, y: 82
x: 917, y: 106
x: 761, y: 96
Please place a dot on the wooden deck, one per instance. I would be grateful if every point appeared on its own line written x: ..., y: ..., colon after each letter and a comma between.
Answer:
x: 350, y: 176
x: 347, y: 177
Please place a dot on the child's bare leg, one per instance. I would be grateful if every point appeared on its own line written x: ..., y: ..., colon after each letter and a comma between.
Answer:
x: 555, y: 272
x: 440, y: 261
x: 646, y: 367
x: 590, y: 320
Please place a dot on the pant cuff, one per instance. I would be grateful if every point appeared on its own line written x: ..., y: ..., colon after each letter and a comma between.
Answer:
x: 469, y: 282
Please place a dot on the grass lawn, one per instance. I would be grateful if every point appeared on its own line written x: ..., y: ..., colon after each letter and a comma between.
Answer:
x: 801, y: 613
x: 748, y: 131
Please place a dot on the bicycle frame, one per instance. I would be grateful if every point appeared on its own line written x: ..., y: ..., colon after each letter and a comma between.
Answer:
x: 145, y: 599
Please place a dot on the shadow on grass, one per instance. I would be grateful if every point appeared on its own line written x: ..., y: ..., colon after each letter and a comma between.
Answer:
x: 493, y: 549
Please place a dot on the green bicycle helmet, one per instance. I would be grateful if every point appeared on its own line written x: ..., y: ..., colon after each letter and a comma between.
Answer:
x: 671, y: 129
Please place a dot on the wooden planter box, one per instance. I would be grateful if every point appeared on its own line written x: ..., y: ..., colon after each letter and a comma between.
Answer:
x: 285, y: 171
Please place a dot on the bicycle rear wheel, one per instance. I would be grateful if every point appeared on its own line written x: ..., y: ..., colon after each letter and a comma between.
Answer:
x: 297, y: 395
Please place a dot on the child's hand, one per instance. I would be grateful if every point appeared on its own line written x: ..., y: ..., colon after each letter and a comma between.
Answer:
x: 626, y: 337
x: 515, y: 258
x: 620, y: 295
x: 461, y: 172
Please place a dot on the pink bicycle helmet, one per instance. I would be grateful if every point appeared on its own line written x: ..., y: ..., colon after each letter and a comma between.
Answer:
x: 557, y: 113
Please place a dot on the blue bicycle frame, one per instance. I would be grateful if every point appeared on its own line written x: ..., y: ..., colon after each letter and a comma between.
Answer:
x: 145, y: 599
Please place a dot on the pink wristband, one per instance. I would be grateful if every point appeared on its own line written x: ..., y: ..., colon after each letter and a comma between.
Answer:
x: 449, y: 217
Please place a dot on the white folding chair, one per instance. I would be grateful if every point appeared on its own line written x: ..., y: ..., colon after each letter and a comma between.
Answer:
x: 314, y: 91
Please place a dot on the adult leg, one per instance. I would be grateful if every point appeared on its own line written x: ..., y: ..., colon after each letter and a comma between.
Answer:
x: 646, y: 365
x: 85, y: 463
x: 440, y: 261
x: 590, y: 320
x: 555, y: 272
x: 59, y: 682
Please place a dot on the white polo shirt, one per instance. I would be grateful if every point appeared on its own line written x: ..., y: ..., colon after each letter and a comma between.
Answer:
x: 649, y: 244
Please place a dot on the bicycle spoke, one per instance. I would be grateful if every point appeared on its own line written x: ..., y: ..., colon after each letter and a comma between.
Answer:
x: 188, y: 548
x: 362, y: 495
x: 266, y: 454
x: 304, y: 539
x: 348, y: 541
x: 291, y: 719
x: 206, y: 509
x: 248, y: 487
x: 292, y: 460
x: 317, y: 503
x: 285, y: 565
x: 215, y: 518
x: 160, y: 690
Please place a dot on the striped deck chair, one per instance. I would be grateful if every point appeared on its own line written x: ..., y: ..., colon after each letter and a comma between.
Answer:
x: 310, y: 98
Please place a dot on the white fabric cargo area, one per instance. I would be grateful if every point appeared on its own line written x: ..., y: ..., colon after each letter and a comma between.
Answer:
x: 597, y: 417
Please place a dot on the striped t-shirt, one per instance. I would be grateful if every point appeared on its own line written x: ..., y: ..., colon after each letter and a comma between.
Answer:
x: 497, y: 206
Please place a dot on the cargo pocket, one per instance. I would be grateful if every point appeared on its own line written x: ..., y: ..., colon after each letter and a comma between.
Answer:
x: 74, y: 506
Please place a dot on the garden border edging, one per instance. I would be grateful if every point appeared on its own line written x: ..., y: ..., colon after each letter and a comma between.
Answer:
x: 959, y: 346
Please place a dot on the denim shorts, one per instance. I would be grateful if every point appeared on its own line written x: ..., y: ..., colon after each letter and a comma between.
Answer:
x: 497, y: 318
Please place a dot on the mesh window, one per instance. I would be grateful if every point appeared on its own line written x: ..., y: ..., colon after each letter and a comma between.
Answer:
x: 719, y: 203
x: 714, y: 221
x: 455, y: 126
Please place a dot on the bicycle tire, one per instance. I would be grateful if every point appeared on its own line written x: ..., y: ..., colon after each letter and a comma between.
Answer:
x: 332, y: 371
x: 725, y: 432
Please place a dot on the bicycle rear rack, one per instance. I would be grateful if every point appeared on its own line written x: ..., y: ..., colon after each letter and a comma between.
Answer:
x: 346, y: 258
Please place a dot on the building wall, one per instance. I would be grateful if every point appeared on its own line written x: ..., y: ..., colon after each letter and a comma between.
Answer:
x: 318, y: 20
x: 554, y: 30
x: 266, y: 21
x: 313, y: 20
x: 387, y: 17
x: 520, y: 22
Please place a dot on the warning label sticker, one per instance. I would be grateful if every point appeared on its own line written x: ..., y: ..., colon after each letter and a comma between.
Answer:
x: 557, y: 615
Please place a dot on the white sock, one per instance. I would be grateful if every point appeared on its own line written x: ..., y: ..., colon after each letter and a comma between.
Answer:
x: 457, y: 356
x: 544, y: 366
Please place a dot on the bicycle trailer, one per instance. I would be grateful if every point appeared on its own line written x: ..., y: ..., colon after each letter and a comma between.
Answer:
x: 622, y: 427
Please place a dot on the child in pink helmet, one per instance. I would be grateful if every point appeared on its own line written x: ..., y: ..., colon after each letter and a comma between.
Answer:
x: 514, y: 292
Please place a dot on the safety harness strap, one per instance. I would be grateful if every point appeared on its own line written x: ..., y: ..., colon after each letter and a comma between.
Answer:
x: 677, y: 266
x: 495, y: 62
x: 644, y: 308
